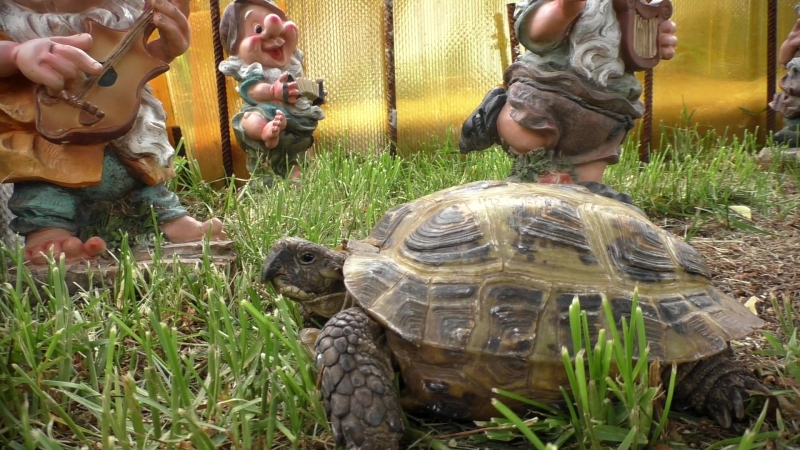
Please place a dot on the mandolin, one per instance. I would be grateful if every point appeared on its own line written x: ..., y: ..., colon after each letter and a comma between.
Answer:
x: 97, y: 109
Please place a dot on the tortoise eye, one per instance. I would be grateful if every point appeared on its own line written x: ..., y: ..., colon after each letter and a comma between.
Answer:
x: 307, y: 258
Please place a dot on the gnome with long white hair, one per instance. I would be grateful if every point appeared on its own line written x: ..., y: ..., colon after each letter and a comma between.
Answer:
x: 569, y: 101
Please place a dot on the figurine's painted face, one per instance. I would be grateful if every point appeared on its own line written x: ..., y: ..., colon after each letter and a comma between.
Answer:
x: 59, y: 6
x: 266, y: 38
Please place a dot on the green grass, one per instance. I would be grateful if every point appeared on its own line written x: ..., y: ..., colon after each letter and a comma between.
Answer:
x: 207, y: 358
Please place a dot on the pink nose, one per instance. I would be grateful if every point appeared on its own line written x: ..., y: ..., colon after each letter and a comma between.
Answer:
x: 273, y: 25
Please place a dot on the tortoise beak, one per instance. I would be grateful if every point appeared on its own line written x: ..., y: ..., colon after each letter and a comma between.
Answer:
x: 274, y: 265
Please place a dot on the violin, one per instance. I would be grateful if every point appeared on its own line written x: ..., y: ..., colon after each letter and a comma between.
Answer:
x: 97, y: 109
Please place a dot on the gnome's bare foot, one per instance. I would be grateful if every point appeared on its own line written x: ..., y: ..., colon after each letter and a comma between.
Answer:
x: 189, y: 229
x: 253, y: 124
x: 271, y: 132
x: 39, y: 245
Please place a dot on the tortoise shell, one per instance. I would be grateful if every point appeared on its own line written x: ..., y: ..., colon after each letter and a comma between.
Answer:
x: 473, y: 285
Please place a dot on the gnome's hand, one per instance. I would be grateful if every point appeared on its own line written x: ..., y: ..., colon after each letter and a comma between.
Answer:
x: 284, y: 90
x: 55, y: 61
x: 791, y: 45
x: 171, y: 21
x: 667, y: 41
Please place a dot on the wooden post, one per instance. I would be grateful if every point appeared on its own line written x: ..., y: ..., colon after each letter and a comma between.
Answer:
x: 647, y: 120
x: 772, y: 60
x: 391, y: 87
x: 512, y: 35
x: 222, y: 93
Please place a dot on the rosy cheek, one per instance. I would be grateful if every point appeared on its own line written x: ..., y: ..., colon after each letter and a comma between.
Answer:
x: 255, y: 41
x: 291, y: 31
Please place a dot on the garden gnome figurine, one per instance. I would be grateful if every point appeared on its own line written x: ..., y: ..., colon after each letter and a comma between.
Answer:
x: 45, y: 45
x: 787, y: 102
x: 569, y: 101
x: 276, y: 123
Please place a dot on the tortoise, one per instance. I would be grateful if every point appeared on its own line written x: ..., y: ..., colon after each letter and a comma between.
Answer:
x: 468, y: 289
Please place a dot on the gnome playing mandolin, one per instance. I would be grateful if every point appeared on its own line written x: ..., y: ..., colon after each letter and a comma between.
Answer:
x: 55, y: 180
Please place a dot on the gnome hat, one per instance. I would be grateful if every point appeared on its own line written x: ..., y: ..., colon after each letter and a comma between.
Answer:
x: 229, y: 23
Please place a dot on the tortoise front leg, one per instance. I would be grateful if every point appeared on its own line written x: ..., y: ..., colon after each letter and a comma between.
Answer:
x: 357, y: 385
x: 716, y: 386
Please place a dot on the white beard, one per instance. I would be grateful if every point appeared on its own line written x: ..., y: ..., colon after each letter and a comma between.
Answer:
x: 595, y: 42
x: 148, y: 137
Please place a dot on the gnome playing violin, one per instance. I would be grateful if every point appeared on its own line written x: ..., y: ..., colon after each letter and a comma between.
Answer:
x: 44, y: 42
x: 276, y: 123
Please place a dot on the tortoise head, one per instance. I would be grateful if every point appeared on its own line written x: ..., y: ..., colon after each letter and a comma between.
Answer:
x: 308, y: 273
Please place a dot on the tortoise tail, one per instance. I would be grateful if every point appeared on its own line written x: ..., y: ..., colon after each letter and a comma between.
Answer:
x: 357, y: 385
x: 716, y: 387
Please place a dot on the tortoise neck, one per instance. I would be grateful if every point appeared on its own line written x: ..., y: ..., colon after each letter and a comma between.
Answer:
x: 328, y: 305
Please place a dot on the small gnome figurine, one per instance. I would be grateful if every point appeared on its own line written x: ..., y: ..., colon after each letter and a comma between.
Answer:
x: 787, y: 102
x: 276, y: 123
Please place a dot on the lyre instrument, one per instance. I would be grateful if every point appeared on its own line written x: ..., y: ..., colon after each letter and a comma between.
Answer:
x: 95, y: 109
x: 639, y: 22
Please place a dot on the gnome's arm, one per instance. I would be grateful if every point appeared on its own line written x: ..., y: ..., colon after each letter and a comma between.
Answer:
x: 552, y: 19
x: 791, y: 45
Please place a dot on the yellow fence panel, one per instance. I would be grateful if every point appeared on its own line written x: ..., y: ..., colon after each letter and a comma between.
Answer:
x: 343, y: 43
x: 449, y: 54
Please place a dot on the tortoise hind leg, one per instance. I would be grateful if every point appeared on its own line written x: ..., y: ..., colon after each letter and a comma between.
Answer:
x: 716, y: 386
x: 357, y: 385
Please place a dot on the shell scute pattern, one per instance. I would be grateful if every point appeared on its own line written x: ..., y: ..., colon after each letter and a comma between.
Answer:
x: 639, y: 252
x: 513, y: 315
x: 388, y: 223
x: 549, y: 240
x: 591, y: 303
x: 548, y: 222
x: 486, y: 273
x: 451, y: 236
x: 450, y: 321
x: 691, y: 261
